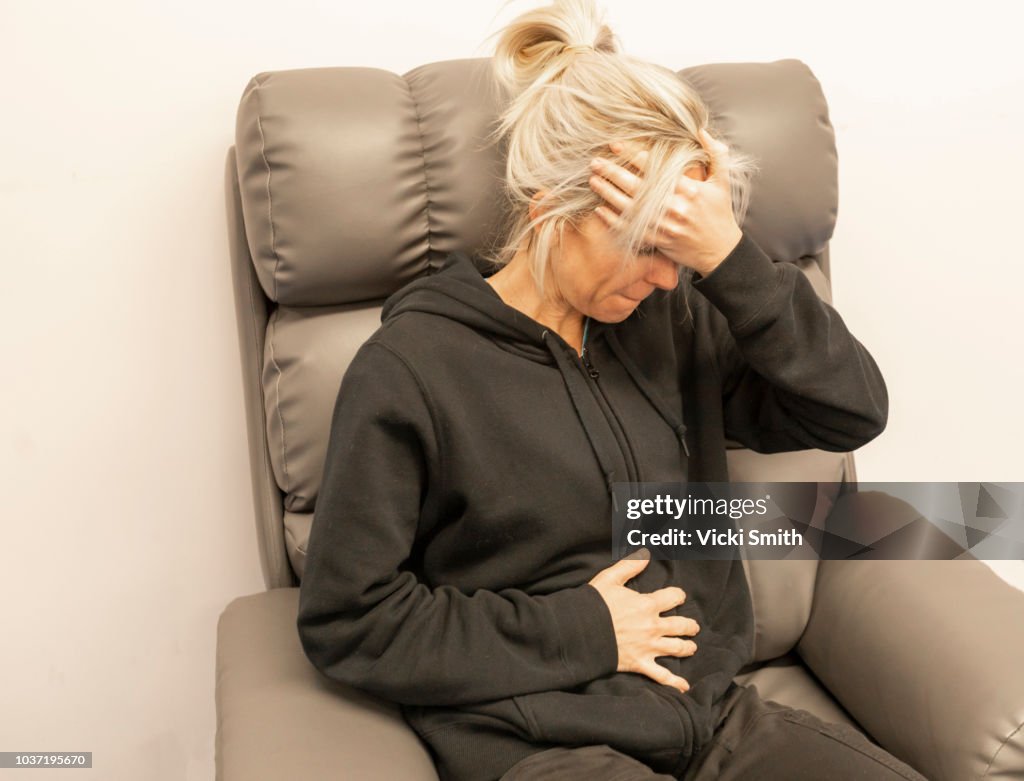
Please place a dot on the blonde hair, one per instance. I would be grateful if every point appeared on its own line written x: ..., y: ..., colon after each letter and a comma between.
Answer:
x: 570, y: 91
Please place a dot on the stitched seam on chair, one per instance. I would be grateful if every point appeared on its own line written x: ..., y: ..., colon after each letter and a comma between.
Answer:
x: 277, y: 391
x: 426, y: 179
x: 270, y: 200
x: 1001, y: 745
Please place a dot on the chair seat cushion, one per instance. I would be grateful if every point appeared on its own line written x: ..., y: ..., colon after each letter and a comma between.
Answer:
x: 278, y: 717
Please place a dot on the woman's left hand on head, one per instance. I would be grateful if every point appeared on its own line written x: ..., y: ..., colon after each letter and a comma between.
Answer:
x: 699, y: 229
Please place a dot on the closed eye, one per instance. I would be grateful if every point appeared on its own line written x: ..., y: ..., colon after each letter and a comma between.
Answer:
x: 648, y: 250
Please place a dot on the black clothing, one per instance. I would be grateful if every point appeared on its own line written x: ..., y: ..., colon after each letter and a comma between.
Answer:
x: 757, y: 738
x: 466, y: 502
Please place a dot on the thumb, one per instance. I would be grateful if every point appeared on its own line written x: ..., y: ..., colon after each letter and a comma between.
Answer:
x: 627, y: 568
x: 719, y: 152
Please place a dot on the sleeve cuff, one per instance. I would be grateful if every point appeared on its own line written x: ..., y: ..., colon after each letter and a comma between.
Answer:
x: 742, y: 283
x: 588, y: 646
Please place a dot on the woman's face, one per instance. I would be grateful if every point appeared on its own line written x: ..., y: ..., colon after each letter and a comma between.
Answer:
x: 589, y: 275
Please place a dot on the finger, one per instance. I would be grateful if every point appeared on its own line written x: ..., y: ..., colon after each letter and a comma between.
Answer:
x: 663, y: 675
x: 610, y: 193
x: 622, y: 570
x: 668, y: 598
x: 639, y: 553
x: 611, y: 218
x: 688, y: 186
x: 670, y: 229
x: 675, y: 646
x: 624, y: 179
x: 615, y: 222
x: 633, y: 154
x: 676, y: 626
x: 719, y: 152
x: 712, y: 142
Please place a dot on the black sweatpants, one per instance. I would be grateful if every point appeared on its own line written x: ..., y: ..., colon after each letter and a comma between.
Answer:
x: 754, y: 739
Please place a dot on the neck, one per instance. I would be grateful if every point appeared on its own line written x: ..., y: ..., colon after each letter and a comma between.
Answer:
x: 515, y: 285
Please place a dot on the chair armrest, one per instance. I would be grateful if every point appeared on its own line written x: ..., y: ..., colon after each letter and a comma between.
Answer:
x: 278, y: 717
x: 927, y: 655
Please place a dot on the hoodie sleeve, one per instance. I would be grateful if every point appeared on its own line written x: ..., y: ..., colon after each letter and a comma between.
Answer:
x: 366, y: 620
x: 793, y: 376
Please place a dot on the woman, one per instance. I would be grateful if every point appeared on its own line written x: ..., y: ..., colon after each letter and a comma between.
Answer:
x: 459, y: 559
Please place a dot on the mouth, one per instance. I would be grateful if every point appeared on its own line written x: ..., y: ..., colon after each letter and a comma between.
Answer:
x: 635, y: 300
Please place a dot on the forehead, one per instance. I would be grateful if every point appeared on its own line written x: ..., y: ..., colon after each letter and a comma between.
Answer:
x: 596, y: 234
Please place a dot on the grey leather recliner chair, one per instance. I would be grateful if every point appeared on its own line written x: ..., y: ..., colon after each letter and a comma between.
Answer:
x: 346, y: 183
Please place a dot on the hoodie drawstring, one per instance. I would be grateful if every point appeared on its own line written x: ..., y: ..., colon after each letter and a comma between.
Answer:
x: 670, y: 416
x: 579, y: 395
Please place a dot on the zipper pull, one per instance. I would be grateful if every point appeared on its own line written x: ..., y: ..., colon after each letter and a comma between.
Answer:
x: 681, y: 434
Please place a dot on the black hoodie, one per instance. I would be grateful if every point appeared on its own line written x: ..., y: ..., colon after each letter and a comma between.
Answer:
x: 466, y: 502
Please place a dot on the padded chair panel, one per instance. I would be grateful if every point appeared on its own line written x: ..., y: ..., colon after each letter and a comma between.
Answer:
x: 310, y: 173
x: 782, y: 591
x: 355, y: 180
x: 926, y: 655
x: 306, y: 353
x: 278, y: 717
x: 296, y: 531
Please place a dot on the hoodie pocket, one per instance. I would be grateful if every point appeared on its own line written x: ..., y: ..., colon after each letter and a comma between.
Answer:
x: 640, y: 723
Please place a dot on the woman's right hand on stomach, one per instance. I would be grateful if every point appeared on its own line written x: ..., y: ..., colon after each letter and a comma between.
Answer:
x: 641, y: 632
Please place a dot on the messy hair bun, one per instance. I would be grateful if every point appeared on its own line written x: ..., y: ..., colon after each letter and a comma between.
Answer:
x: 570, y: 91
x: 538, y: 43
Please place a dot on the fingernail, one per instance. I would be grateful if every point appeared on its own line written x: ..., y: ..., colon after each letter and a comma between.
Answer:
x: 596, y: 162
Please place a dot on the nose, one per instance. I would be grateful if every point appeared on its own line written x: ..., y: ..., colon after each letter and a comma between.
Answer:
x: 662, y: 273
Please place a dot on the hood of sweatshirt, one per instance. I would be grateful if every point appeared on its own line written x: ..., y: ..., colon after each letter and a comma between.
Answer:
x: 458, y: 291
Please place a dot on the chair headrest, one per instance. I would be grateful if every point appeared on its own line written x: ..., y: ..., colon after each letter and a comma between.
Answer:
x: 355, y: 181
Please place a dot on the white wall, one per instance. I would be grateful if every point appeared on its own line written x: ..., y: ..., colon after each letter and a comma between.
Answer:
x: 127, y: 517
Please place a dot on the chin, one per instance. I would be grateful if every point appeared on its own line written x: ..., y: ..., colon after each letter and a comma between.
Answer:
x: 617, y: 315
